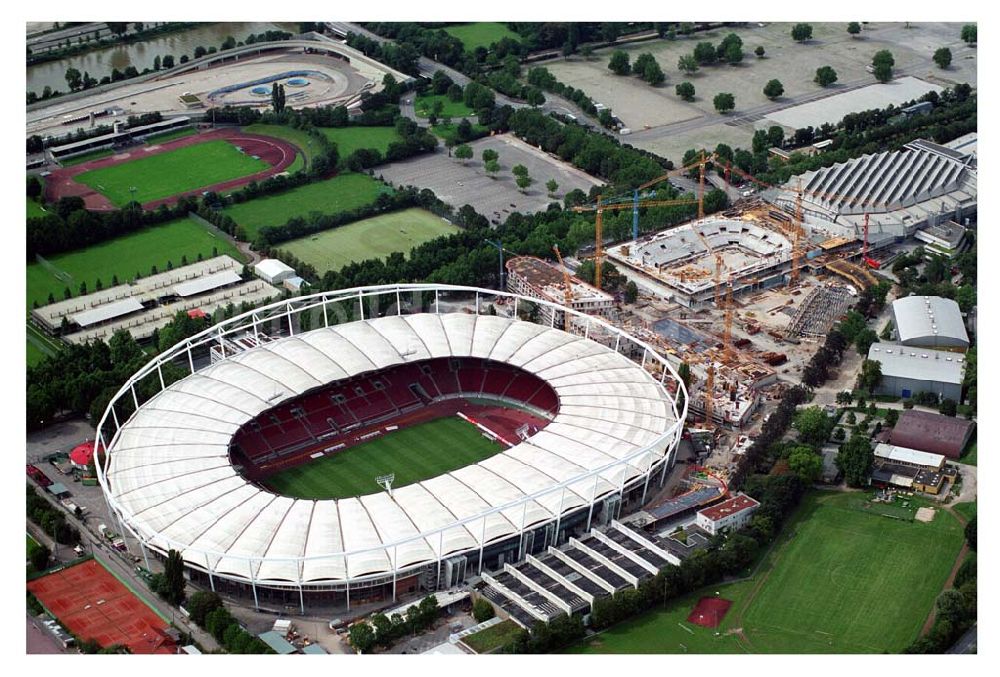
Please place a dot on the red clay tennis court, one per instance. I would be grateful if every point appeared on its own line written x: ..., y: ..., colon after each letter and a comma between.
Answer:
x: 92, y: 604
x: 709, y: 611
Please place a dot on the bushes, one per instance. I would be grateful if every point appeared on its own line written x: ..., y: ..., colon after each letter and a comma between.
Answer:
x: 208, y: 613
x: 384, y: 631
x: 482, y: 610
x: 50, y: 519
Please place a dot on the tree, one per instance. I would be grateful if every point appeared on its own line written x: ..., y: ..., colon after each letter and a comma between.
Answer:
x: 813, y: 425
x: 482, y: 610
x: 760, y: 52
x: 891, y: 417
x: 535, y: 98
x: 864, y: 341
x: 969, y: 34
x: 845, y: 397
x: 631, y: 292
x: 724, y: 102
x: 619, y: 63
x: 74, y: 79
x: 551, y: 186
x: 118, y: 28
x: 871, y: 375
x: 948, y: 407
x: 854, y: 28
x: 173, y: 576
x: 168, y: 61
x: 855, y: 460
x: 278, y: 97
x: 653, y: 74
x: 156, y: 62
x: 519, y: 170
x: 687, y: 63
x: 34, y: 187
x: 491, y: 167
x: 825, y: 76
x: 802, y: 32
x: 970, y: 533
x: 587, y: 52
x: 685, y: 90
x: 838, y: 434
x: 523, y: 181
x: 40, y: 558
x: 773, y: 89
x: 463, y: 152
x: 806, y: 463
x: 942, y: 57
x: 490, y: 154
x: 362, y: 637
x: 202, y: 603
x: 733, y: 53
x: 705, y: 54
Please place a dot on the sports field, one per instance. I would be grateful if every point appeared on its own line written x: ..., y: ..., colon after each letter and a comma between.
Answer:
x: 481, y: 34
x: 124, y: 256
x: 350, y: 139
x: 34, y: 209
x: 424, y: 105
x: 376, y: 237
x: 841, y: 579
x: 295, y: 137
x: 413, y: 454
x: 171, y: 173
x: 338, y: 194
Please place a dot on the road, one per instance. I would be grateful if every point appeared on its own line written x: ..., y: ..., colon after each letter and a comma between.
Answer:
x: 966, y: 643
x: 47, y: 41
x: 427, y: 67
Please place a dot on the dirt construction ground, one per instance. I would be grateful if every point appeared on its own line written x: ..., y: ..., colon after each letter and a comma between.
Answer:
x: 661, y: 122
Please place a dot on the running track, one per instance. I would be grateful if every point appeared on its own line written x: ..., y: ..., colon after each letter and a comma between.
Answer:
x: 277, y: 153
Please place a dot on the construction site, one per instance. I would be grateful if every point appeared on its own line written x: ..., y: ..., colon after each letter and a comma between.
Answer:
x: 744, y: 297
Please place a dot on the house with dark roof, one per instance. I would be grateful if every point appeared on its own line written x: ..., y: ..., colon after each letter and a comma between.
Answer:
x: 934, y: 433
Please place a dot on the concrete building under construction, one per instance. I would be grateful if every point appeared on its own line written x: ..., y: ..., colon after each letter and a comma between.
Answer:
x: 745, y: 249
x: 532, y: 276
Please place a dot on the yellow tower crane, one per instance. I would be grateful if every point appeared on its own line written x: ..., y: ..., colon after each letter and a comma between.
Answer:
x: 568, y: 292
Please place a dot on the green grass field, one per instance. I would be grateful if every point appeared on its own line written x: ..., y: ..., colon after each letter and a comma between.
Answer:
x: 966, y: 510
x: 413, y: 454
x: 494, y: 636
x: 481, y: 34
x: 375, y: 237
x: 350, y: 139
x: 850, y: 581
x: 666, y: 630
x: 424, y: 105
x: 340, y: 193
x: 840, y: 580
x: 34, y: 208
x: 296, y: 137
x: 125, y: 256
x: 176, y: 171
x: 38, y: 346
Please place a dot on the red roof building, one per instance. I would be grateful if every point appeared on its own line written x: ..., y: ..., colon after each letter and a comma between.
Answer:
x: 732, y: 514
x: 933, y: 433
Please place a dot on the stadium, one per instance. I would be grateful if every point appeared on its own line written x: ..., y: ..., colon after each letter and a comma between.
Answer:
x: 684, y: 258
x: 584, y: 425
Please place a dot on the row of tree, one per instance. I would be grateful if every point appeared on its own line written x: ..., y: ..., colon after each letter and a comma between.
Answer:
x: 208, y: 612
x: 383, y: 631
x: 51, y: 520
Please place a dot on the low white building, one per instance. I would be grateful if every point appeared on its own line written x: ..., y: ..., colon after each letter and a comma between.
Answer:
x: 731, y: 515
x: 273, y: 271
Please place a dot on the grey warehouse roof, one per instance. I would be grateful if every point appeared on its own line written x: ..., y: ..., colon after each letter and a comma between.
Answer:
x: 170, y: 474
x: 922, y: 364
x: 207, y: 282
x: 107, y: 311
x: 929, y: 320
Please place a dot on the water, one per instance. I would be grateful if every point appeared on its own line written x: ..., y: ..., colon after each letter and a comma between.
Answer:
x: 100, y: 62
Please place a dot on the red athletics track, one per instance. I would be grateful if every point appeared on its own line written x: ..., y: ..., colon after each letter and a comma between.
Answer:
x: 277, y: 153
x: 89, y: 601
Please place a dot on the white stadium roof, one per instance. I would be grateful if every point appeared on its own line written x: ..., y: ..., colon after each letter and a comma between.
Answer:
x: 170, y: 476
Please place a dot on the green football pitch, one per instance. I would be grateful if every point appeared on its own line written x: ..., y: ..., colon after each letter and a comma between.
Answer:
x: 841, y: 579
x: 350, y: 139
x: 124, y: 256
x: 341, y: 193
x: 480, y: 34
x: 166, y: 174
x: 413, y: 454
x: 375, y: 237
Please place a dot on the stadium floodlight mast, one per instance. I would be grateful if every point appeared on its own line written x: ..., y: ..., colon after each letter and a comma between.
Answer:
x: 385, y: 481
